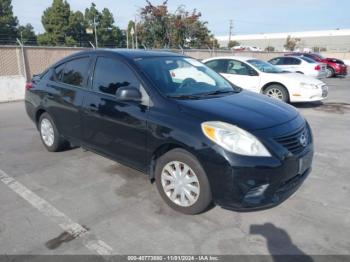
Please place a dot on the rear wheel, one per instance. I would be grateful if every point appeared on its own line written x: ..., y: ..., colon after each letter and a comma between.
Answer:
x: 330, y: 72
x: 277, y: 91
x: 49, y: 134
x: 182, y: 183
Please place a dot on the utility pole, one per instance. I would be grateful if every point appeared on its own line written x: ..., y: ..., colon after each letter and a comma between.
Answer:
x: 127, y: 38
x: 132, y: 32
x: 136, y: 43
x: 96, y: 41
x: 230, y: 31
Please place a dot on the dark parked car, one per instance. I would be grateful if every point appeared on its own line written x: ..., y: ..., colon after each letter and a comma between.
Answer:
x: 335, y: 67
x: 201, y: 139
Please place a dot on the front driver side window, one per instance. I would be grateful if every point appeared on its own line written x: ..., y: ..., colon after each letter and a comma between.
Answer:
x: 239, y: 68
x: 218, y: 65
x: 110, y: 74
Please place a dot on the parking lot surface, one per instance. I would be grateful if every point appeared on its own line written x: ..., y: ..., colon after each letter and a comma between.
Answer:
x: 121, y: 212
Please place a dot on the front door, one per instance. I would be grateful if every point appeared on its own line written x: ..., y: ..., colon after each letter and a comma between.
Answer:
x: 242, y: 75
x: 115, y: 128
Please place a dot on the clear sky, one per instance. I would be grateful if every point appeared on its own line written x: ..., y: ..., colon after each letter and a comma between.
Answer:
x: 249, y: 16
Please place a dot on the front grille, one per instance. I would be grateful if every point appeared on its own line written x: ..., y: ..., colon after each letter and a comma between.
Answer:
x: 294, y: 142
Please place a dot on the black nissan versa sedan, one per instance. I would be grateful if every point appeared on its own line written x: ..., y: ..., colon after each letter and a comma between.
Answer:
x: 201, y: 139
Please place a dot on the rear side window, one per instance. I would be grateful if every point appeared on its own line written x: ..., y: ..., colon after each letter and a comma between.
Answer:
x: 76, y: 72
x: 307, y: 59
x: 292, y: 61
x: 110, y: 74
x: 57, y: 73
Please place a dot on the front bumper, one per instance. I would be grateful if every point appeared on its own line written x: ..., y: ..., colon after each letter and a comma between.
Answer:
x: 253, y: 183
x: 310, y: 95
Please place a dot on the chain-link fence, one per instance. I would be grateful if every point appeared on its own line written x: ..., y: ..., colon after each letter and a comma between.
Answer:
x: 27, y: 61
x: 11, y: 61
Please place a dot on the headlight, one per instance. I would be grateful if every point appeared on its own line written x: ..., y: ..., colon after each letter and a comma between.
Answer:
x: 308, y: 85
x: 234, y: 139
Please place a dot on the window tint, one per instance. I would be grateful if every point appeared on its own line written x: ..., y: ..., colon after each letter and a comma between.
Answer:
x: 307, y: 59
x: 238, y: 68
x: 292, y: 61
x: 110, y: 74
x: 277, y: 61
x: 57, y: 73
x: 218, y: 66
x: 76, y: 72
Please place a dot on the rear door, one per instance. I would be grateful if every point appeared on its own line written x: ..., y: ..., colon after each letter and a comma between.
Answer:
x: 292, y: 64
x: 112, y: 127
x: 66, y: 88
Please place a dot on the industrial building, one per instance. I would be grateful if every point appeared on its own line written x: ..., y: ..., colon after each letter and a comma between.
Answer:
x: 327, y: 40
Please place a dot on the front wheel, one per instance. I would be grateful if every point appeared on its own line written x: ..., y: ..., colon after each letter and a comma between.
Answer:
x: 278, y: 92
x: 182, y: 183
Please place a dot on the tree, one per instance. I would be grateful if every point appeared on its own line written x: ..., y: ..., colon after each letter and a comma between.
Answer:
x: 233, y: 43
x: 107, y: 33
x: 155, y: 25
x: 76, y: 31
x: 27, y: 35
x: 291, y: 43
x: 159, y: 28
x: 270, y: 49
x: 8, y: 23
x: 56, y: 24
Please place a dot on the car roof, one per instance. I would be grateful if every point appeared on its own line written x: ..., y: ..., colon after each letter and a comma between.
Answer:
x: 240, y: 58
x: 293, y: 56
x: 131, y: 53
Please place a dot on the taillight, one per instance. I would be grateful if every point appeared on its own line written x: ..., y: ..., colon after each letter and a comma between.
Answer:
x: 29, y: 85
x: 318, y: 68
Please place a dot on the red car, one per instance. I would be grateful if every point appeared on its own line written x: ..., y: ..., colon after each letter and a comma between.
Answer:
x: 335, y: 67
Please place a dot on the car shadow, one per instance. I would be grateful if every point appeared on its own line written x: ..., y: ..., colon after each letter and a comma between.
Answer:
x: 308, y: 104
x: 279, y: 243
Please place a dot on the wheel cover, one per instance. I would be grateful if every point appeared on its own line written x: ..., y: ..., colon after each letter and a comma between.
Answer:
x: 47, y: 133
x: 329, y: 72
x: 275, y: 93
x: 180, y: 183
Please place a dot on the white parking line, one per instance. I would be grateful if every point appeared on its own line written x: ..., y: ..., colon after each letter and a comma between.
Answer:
x: 74, y: 229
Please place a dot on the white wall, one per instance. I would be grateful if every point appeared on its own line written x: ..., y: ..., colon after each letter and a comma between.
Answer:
x: 12, y: 88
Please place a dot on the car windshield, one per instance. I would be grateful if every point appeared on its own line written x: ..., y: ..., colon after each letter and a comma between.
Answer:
x: 183, y: 77
x: 265, y: 66
x: 307, y: 59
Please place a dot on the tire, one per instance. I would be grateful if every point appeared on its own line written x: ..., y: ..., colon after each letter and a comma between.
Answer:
x: 195, y: 177
x: 330, y: 72
x: 47, y: 128
x: 277, y: 91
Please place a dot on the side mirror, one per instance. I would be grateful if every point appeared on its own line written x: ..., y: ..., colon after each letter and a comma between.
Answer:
x: 253, y: 73
x: 128, y: 93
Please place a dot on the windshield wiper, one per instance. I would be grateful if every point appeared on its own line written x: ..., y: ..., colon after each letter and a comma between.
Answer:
x: 217, y: 92
x: 184, y: 96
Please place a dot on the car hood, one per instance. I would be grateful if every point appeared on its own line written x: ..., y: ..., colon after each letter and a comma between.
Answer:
x: 296, y: 78
x: 246, y: 109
